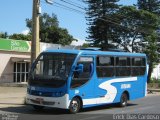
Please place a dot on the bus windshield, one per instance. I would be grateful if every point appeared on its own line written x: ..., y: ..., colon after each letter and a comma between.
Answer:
x: 51, y: 69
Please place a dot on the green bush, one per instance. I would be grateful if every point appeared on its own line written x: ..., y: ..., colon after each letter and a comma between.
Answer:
x: 154, y: 83
x: 153, y: 80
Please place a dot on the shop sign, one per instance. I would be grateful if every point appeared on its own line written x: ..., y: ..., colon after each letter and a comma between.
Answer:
x: 15, y: 45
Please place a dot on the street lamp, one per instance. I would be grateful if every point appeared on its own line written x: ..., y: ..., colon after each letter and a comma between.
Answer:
x: 49, y: 2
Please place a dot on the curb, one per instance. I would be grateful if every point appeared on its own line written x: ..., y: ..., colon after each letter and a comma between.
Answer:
x: 150, y: 91
x: 13, y: 84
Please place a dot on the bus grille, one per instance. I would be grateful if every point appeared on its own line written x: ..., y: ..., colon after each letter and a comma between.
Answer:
x: 40, y: 93
x: 42, y: 103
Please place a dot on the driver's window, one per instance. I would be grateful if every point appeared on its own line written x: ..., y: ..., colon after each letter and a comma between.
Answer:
x: 80, y: 78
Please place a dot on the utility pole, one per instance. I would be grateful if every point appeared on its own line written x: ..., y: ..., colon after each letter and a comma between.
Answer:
x: 35, y: 45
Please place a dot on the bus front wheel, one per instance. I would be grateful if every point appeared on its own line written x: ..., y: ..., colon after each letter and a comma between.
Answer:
x: 123, y: 100
x: 75, y: 105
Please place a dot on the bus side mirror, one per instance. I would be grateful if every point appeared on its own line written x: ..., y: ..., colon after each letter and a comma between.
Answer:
x: 79, y: 68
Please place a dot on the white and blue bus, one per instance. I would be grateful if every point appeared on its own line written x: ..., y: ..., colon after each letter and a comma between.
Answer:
x: 75, y: 79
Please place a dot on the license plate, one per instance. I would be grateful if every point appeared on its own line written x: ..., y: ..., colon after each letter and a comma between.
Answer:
x: 40, y: 100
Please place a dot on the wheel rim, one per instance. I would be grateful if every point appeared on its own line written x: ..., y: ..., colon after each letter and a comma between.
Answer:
x: 74, y: 105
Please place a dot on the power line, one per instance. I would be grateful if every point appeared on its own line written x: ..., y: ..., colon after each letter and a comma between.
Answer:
x: 81, y: 7
x: 81, y: 12
x: 84, y: 14
x: 66, y: 7
x: 73, y: 4
x: 76, y: 3
x: 69, y: 8
x: 80, y: 0
x: 110, y: 20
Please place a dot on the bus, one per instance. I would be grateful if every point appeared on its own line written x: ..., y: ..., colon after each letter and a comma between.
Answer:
x: 76, y: 79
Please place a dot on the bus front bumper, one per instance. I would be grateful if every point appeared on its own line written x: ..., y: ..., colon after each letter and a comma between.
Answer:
x: 56, y: 102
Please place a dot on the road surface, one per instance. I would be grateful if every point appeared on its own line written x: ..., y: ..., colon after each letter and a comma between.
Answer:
x: 11, y: 106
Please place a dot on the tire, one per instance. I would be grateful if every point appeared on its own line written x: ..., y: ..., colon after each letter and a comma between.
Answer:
x: 75, y: 105
x: 38, y: 108
x: 123, y: 100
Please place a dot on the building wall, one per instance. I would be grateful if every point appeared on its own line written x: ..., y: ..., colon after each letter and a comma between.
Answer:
x: 156, y: 72
x: 12, y: 51
x: 6, y: 64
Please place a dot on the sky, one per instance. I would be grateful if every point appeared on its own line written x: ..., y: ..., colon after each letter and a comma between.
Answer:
x: 13, y: 14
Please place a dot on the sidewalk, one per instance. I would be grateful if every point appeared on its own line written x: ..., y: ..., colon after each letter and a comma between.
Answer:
x: 153, y: 90
x: 13, y: 84
x: 16, y: 95
x: 12, y: 96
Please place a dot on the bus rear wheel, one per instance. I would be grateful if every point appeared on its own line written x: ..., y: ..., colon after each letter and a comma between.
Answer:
x: 123, y: 100
x: 75, y: 105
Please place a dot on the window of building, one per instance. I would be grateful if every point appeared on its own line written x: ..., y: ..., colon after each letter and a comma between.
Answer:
x: 21, y: 70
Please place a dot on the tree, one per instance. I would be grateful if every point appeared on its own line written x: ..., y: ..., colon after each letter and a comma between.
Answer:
x: 140, y: 35
x: 138, y: 24
x: 101, y: 24
x: 150, y: 5
x: 3, y: 35
x: 85, y: 45
x: 150, y: 49
x: 50, y: 31
x: 20, y: 37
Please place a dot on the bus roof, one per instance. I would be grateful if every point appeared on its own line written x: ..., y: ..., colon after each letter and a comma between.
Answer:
x: 91, y: 52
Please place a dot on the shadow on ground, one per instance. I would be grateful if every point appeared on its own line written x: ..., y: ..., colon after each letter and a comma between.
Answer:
x: 27, y: 109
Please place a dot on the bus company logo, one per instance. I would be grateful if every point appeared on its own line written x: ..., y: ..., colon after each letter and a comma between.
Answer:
x: 40, y: 93
x: 125, y: 86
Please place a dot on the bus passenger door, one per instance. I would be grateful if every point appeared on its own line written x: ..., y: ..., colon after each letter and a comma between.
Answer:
x: 82, y: 83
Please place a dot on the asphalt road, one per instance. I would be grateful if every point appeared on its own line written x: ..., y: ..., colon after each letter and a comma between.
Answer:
x: 15, y: 110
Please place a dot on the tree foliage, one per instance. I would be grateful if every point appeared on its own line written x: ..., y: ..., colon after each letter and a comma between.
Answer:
x: 101, y: 28
x: 20, y: 37
x: 127, y: 27
x: 152, y: 6
x: 50, y: 31
x: 3, y: 35
x: 149, y: 5
x: 138, y: 24
x: 150, y: 48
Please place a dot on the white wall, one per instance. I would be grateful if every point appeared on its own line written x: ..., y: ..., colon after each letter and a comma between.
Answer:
x: 6, y: 64
x: 156, y: 72
x: 45, y: 46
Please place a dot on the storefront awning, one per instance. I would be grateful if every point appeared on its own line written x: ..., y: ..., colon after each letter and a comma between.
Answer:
x: 18, y: 59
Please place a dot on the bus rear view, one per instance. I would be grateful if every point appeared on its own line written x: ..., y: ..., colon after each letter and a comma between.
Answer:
x: 75, y: 79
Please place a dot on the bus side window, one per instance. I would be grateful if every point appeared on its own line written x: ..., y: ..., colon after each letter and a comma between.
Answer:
x: 80, y: 79
x: 105, y: 66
